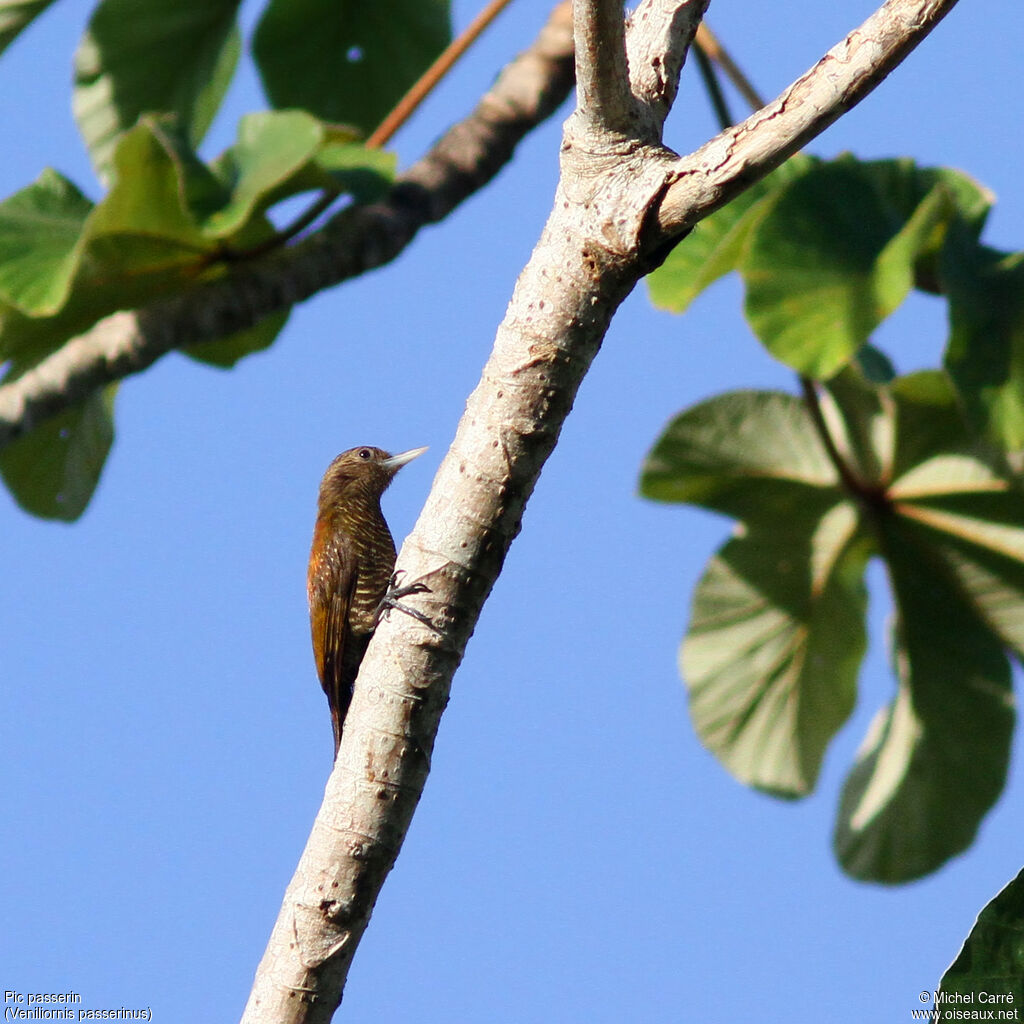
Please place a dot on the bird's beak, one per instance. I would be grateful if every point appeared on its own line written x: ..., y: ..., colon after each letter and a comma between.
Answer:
x: 397, y: 461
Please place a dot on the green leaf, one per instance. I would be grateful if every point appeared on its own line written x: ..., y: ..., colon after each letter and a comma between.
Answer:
x: 922, y: 232
x: 738, y: 451
x: 829, y: 250
x: 140, y: 242
x: 776, y: 633
x: 284, y: 152
x: 961, y: 502
x: 874, y: 365
x: 953, y: 541
x: 53, y: 470
x: 148, y: 198
x: 836, y: 250
x: 771, y: 656
x: 777, y: 629
x: 985, y: 355
x: 717, y: 244
x: 814, y: 290
x: 935, y: 761
x: 347, y: 62
x: 860, y: 420
x: 904, y: 185
x: 16, y: 15
x: 272, y: 148
x: 992, y: 959
x: 364, y: 174
x: 225, y: 352
x: 40, y: 243
x: 143, y: 241
x: 173, y: 56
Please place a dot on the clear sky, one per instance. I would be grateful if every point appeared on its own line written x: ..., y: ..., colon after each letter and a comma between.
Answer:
x: 577, y: 855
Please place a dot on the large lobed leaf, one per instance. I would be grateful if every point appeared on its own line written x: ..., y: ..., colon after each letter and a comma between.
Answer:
x: 717, y: 245
x: 281, y: 153
x: 777, y: 628
x: 772, y: 650
x: 935, y: 760
x: 40, y: 243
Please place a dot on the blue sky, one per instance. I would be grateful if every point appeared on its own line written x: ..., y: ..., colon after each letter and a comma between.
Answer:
x: 577, y: 855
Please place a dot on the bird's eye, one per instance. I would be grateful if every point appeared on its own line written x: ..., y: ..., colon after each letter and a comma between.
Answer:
x: 364, y: 453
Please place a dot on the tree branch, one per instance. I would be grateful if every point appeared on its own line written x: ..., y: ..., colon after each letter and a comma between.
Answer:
x: 725, y: 166
x: 603, y: 98
x: 601, y: 237
x: 356, y: 240
x: 660, y: 34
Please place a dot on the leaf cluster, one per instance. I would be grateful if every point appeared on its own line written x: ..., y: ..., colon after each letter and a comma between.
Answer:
x: 917, y: 471
x: 148, y: 82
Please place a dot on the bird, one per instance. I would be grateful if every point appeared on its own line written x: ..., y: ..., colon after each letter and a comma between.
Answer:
x: 351, y: 580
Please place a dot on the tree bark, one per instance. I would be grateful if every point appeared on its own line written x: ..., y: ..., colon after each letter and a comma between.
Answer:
x: 621, y: 201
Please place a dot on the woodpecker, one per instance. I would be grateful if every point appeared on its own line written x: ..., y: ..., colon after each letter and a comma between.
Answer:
x: 351, y: 569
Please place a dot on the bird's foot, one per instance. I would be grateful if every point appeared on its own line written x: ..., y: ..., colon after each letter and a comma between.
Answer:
x: 393, y: 597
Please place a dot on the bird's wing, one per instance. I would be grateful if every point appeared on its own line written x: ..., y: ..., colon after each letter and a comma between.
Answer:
x: 332, y: 583
x: 336, y: 635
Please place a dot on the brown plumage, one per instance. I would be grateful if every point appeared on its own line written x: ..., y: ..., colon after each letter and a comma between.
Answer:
x: 350, y: 568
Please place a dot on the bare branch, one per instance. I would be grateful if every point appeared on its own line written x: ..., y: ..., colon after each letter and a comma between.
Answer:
x: 725, y: 166
x: 600, y: 239
x: 660, y: 33
x: 603, y: 99
x: 357, y: 240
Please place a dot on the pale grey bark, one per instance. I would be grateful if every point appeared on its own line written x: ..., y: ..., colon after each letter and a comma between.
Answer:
x: 621, y: 197
x: 711, y: 176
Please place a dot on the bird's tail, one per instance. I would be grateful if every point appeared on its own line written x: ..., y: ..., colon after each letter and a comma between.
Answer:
x: 355, y: 648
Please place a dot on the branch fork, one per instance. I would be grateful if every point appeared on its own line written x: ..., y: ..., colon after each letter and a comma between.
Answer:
x: 621, y: 199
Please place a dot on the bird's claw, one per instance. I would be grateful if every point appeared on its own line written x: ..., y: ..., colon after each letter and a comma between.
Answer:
x: 393, y: 596
x: 396, y: 593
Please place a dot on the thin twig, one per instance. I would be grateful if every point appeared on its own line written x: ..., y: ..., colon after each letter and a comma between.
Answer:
x: 708, y: 42
x: 711, y: 83
x: 810, y: 392
x: 382, y: 134
x: 318, y: 207
x: 405, y: 107
x: 871, y: 497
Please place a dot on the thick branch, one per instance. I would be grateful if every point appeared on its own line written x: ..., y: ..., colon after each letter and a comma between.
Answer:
x: 595, y: 247
x: 355, y: 241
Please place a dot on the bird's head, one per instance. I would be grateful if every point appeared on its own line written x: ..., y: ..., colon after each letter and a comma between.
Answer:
x: 362, y: 472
